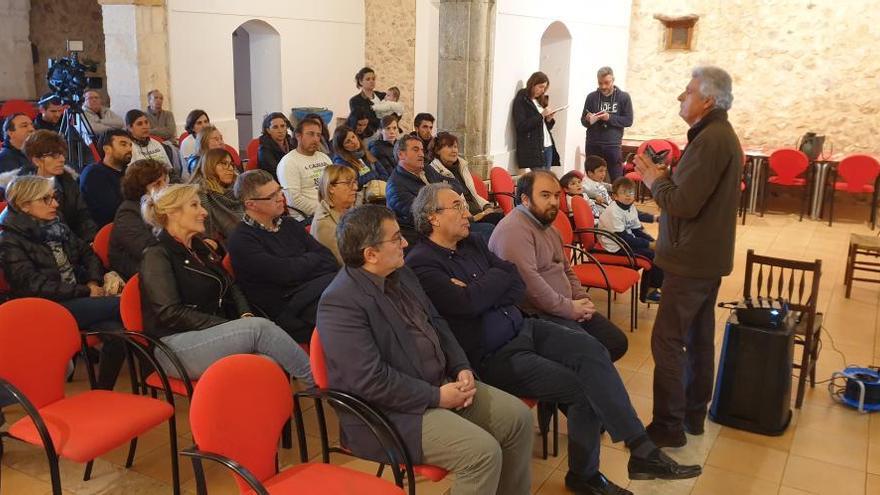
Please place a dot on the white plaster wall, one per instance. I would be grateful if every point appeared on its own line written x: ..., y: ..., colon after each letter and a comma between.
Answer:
x: 321, y: 49
x: 427, y: 56
x: 600, y: 36
x: 17, y: 70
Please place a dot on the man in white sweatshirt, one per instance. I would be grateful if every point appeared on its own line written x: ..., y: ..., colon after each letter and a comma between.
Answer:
x: 299, y: 171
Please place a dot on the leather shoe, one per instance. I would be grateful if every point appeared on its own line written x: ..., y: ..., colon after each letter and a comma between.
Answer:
x: 597, y: 485
x: 660, y: 466
x: 665, y: 438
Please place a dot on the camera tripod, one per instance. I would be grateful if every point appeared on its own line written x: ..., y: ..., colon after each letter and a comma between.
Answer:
x: 79, y: 136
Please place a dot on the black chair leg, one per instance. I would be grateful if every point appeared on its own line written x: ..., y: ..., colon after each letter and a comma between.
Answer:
x: 555, y: 431
x: 175, y: 465
x: 287, y: 435
x: 88, y: 473
x: 199, y: 474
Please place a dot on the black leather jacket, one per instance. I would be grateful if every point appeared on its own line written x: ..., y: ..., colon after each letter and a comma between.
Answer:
x: 181, y: 292
x: 30, y: 266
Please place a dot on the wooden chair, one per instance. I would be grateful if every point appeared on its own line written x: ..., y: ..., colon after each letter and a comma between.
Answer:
x: 798, y: 282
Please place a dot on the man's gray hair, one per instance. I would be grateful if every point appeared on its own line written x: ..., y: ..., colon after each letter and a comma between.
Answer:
x: 427, y: 203
x: 715, y: 83
x: 246, y: 184
x: 604, y: 71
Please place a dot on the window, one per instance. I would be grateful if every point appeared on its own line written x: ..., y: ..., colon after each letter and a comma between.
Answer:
x: 678, y: 32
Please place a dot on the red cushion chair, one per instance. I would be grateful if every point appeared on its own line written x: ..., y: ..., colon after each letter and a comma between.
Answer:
x: 253, y: 153
x: 586, y: 231
x: 503, y: 188
x: 787, y: 166
x: 237, y: 415
x: 37, y: 339
x: 591, y: 273
x: 859, y: 174
x: 480, y: 186
x: 101, y: 244
x: 182, y: 137
x: 236, y: 159
x: 18, y: 106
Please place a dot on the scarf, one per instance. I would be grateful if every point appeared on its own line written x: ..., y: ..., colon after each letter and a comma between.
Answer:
x: 623, y: 206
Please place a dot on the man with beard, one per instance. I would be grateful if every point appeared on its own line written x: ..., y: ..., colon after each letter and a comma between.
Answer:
x: 526, y: 238
x: 607, y: 111
x: 16, y: 128
x: 51, y: 110
x: 100, y: 182
x: 301, y: 169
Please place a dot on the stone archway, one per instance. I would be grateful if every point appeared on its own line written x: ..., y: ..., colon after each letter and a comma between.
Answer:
x: 256, y: 51
x: 555, y: 61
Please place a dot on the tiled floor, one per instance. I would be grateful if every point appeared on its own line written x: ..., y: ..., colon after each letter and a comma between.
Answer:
x: 828, y: 449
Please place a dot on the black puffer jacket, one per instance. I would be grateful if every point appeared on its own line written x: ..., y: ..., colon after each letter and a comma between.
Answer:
x: 181, y: 292
x: 360, y: 102
x: 384, y: 153
x: 72, y: 208
x: 29, y: 264
x: 530, y: 133
x: 269, y: 153
x: 128, y: 239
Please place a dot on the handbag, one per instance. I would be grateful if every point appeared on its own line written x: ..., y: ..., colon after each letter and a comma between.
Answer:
x: 811, y: 145
x: 374, y: 191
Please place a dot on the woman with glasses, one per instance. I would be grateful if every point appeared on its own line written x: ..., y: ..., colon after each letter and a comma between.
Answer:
x: 130, y: 234
x: 351, y: 151
x: 216, y: 175
x: 209, y: 138
x: 191, y: 303
x: 337, y: 192
x: 46, y: 151
x: 42, y: 257
x: 275, y: 142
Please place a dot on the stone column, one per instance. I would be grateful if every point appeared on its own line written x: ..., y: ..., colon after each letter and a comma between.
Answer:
x: 136, y: 45
x: 466, y: 34
x: 17, y: 69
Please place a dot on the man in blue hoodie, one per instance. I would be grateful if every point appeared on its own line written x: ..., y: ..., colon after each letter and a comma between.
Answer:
x: 607, y: 111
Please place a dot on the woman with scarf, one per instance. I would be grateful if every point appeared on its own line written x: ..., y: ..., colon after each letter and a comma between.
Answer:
x: 215, y: 175
x: 371, y: 176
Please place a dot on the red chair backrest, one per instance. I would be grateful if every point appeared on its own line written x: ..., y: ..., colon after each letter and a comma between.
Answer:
x: 659, y: 145
x: 858, y: 171
x: 18, y: 106
x: 2, y: 206
x: 480, y: 186
x: 236, y: 159
x: 130, y: 305
x: 37, y: 339
x: 583, y: 219
x: 101, y: 244
x: 788, y: 163
x: 253, y: 153
x: 503, y: 183
x: 318, y: 361
x: 4, y: 285
x: 227, y: 265
x: 182, y: 137
x: 95, y: 154
x: 238, y: 410
x: 563, y: 225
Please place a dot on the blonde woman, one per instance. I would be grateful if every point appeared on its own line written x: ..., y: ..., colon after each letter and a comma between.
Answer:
x: 215, y: 176
x: 43, y: 258
x: 337, y: 193
x: 190, y: 302
x: 208, y: 138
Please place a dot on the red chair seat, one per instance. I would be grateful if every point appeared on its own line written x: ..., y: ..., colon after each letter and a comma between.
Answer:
x: 177, y: 386
x: 433, y: 473
x: 621, y: 260
x: 83, y: 426
x: 530, y: 403
x: 786, y: 182
x: 742, y: 186
x: 634, y: 176
x: 320, y: 479
x: 843, y: 186
x: 621, y: 278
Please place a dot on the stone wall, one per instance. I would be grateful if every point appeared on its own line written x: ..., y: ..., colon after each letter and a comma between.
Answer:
x: 16, y: 71
x: 52, y: 22
x: 796, y: 66
x: 390, y: 33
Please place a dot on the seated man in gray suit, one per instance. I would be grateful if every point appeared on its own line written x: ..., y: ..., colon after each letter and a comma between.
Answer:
x: 385, y: 342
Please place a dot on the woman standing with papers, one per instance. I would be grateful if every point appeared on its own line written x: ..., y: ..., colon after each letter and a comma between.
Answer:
x: 533, y: 120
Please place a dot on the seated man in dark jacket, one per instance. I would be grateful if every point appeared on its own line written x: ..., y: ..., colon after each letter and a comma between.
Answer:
x: 477, y: 293
x: 281, y: 268
x: 385, y: 342
x: 100, y: 183
x: 16, y: 128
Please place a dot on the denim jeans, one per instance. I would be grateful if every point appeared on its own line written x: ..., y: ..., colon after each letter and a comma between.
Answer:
x: 199, y: 349
x: 548, y: 157
x: 554, y: 363
x: 101, y: 313
x: 612, y: 155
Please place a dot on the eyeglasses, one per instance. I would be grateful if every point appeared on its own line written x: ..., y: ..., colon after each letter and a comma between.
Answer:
x: 458, y: 205
x: 350, y: 183
x: 396, y: 238
x: 48, y: 199
x: 275, y: 195
x: 225, y: 164
x: 55, y: 155
x: 628, y: 192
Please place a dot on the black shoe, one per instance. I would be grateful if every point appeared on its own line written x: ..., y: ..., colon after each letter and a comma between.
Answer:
x: 597, y: 485
x: 660, y: 466
x: 665, y: 438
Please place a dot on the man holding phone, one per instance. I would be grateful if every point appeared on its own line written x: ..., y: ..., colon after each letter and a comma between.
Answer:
x: 607, y: 111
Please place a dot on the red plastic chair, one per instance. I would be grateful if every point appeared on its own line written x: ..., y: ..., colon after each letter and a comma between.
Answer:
x: 787, y: 164
x: 237, y: 415
x: 227, y: 265
x: 236, y: 159
x: 859, y: 174
x: 37, y: 339
x: 2, y: 206
x: 319, y: 372
x: 586, y: 231
x: 18, y: 106
x: 101, y: 244
x: 253, y: 153
x: 480, y: 186
x: 503, y: 188
x: 182, y: 137
x: 591, y: 273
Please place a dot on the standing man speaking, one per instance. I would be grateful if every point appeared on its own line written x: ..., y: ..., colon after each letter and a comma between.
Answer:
x: 694, y: 249
x: 607, y: 111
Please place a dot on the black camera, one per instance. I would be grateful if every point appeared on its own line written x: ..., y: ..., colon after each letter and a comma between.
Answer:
x: 67, y: 78
x: 658, y: 157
